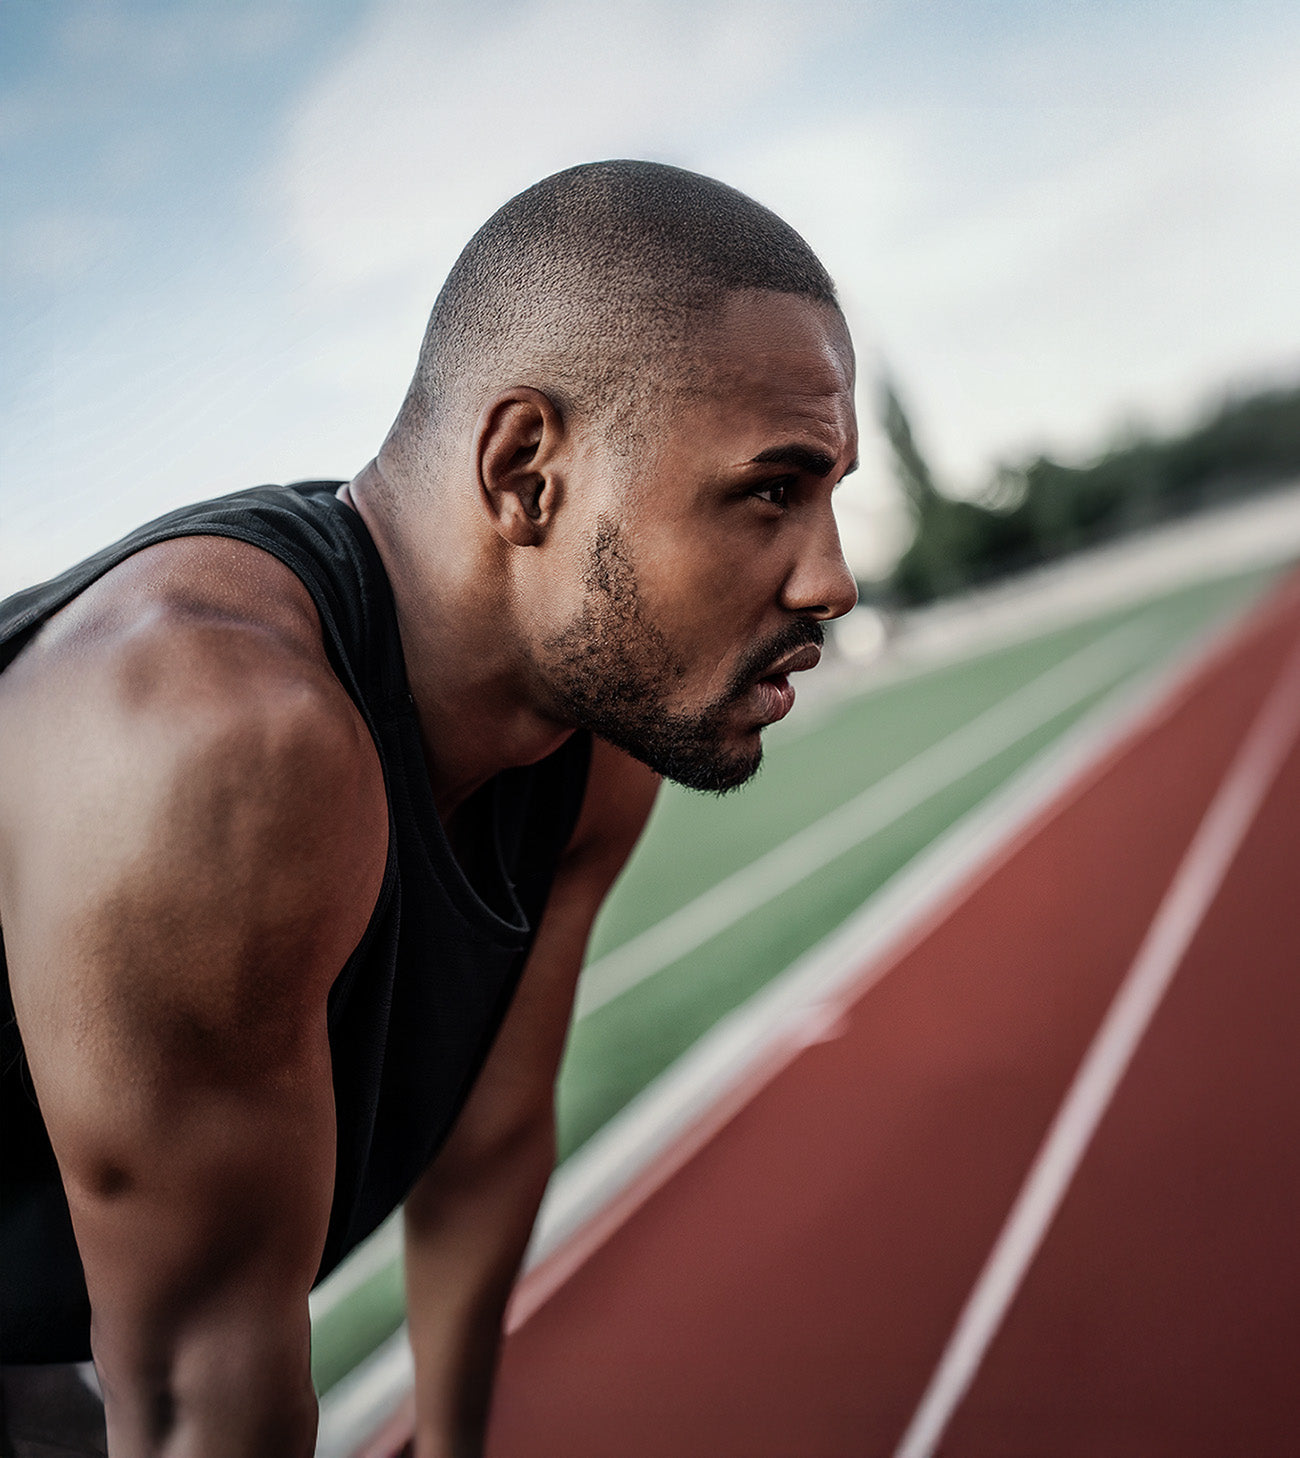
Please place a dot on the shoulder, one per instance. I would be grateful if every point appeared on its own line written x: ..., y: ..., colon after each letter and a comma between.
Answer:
x: 200, y: 636
x: 184, y: 776
x: 164, y: 589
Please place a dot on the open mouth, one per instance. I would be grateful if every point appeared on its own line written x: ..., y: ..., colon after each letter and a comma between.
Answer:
x: 775, y: 691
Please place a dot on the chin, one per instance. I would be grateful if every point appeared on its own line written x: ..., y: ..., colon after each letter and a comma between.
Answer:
x: 715, y: 773
x: 714, y: 749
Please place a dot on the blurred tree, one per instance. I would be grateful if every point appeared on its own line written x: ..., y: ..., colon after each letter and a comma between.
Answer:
x: 1046, y: 509
x: 956, y: 542
x: 910, y: 466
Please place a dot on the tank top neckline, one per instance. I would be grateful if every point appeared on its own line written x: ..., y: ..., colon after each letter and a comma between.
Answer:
x: 508, y: 931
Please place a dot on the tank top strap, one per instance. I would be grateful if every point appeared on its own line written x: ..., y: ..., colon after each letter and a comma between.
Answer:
x: 304, y: 525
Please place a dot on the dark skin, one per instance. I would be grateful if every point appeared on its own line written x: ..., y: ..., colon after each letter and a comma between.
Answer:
x: 179, y: 891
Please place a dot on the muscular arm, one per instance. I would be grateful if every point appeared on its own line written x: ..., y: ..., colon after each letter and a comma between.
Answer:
x: 193, y: 840
x: 468, y: 1221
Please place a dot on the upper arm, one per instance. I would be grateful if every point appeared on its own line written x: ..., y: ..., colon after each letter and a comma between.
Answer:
x: 193, y: 840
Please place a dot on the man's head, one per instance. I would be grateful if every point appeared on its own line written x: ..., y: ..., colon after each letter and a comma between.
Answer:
x: 592, y: 285
x: 642, y: 376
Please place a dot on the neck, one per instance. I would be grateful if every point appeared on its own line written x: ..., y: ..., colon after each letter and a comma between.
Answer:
x: 468, y: 679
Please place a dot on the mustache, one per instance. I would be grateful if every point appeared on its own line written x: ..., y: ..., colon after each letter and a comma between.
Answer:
x: 801, y: 633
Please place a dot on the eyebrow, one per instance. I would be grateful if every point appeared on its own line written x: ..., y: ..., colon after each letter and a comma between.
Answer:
x: 802, y: 458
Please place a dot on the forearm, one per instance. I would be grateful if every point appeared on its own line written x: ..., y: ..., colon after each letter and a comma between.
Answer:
x: 470, y: 1217
x: 466, y: 1236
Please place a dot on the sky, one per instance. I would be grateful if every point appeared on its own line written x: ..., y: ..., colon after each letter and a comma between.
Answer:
x: 222, y: 222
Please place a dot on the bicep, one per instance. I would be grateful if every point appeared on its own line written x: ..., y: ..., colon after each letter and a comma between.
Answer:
x: 198, y: 1200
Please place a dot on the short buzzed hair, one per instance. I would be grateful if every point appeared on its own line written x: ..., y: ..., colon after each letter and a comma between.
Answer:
x: 589, y: 282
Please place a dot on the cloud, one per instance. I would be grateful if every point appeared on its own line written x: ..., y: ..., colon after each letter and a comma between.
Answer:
x: 1042, y: 233
x: 430, y: 123
x: 1135, y: 277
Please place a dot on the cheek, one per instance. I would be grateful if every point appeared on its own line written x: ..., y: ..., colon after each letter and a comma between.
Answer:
x: 709, y: 616
x: 691, y: 593
x: 553, y: 606
x: 736, y: 586
x: 708, y: 580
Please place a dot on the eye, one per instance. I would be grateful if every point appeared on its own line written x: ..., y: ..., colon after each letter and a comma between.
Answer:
x: 775, y: 493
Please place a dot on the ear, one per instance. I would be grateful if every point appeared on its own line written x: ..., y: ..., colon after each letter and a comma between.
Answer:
x: 516, y: 446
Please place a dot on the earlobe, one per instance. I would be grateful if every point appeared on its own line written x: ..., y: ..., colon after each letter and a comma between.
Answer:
x: 515, y: 443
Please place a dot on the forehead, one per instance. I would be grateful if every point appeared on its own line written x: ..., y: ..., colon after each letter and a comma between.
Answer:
x: 771, y: 364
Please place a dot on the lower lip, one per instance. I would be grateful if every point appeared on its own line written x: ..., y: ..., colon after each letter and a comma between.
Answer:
x: 776, y: 698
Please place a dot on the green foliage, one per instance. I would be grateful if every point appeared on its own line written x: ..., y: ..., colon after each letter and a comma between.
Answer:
x: 1045, y: 509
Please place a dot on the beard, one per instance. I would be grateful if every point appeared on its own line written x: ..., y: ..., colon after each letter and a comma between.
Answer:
x: 611, y: 672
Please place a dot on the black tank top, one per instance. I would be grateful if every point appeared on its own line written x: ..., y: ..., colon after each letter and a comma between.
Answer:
x: 417, y: 1005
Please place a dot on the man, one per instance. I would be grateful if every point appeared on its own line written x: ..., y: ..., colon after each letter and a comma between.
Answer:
x: 309, y: 797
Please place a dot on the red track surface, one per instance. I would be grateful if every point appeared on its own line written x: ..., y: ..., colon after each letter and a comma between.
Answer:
x: 789, y: 1291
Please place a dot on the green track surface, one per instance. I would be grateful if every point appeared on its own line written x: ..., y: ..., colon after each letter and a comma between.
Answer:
x: 693, y: 841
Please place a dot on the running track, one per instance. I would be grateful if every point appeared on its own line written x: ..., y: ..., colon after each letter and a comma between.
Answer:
x: 1036, y: 1192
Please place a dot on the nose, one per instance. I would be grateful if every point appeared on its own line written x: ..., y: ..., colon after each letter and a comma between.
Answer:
x: 820, y: 584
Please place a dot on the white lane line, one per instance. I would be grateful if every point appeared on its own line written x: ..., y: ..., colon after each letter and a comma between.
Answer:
x: 354, y: 1410
x: 840, y: 830
x: 1196, y: 883
x: 922, y: 883
x: 834, y: 974
x: 374, y: 1255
